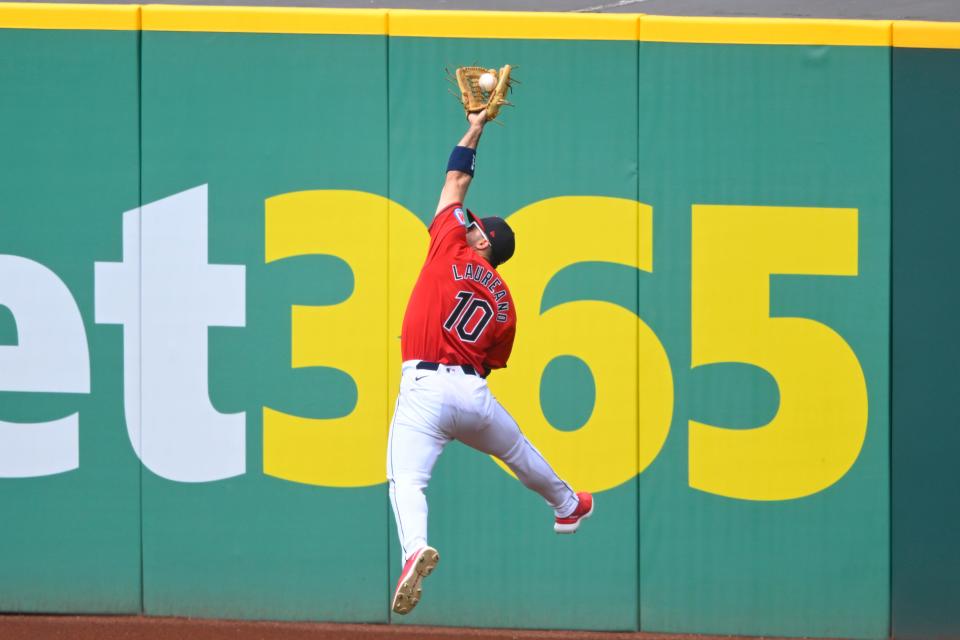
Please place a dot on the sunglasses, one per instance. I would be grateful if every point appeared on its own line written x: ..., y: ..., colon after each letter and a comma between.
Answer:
x: 480, y: 229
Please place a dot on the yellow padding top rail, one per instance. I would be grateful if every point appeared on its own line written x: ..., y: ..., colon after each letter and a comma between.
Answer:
x: 106, y: 17
x: 481, y: 24
x: 765, y: 31
x: 264, y: 20
x: 926, y: 35
x: 514, y: 24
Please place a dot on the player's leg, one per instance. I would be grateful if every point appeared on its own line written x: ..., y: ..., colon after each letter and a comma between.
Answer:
x: 495, y: 432
x: 501, y: 437
x: 413, y: 446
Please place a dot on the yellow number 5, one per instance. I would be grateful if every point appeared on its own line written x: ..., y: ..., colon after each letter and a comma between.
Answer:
x: 820, y: 426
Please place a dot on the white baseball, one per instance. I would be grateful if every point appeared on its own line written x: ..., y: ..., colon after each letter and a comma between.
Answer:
x: 488, y: 81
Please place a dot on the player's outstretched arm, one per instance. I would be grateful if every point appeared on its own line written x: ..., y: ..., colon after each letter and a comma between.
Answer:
x: 460, y: 166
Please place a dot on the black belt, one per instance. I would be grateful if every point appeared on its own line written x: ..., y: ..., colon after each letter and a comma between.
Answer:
x: 435, y: 366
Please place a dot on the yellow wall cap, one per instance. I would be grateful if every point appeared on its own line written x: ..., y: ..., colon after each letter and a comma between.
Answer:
x: 481, y: 24
x: 765, y: 31
x: 926, y: 35
x: 513, y: 24
x: 29, y: 15
x: 264, y: 20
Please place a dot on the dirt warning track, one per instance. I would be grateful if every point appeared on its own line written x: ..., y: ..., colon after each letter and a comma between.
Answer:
x: 20, y: 627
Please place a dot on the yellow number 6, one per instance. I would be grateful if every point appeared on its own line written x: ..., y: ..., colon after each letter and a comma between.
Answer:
x: 622, y: 436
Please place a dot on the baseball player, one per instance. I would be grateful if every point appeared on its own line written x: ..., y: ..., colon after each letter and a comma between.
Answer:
x: 459, y: 325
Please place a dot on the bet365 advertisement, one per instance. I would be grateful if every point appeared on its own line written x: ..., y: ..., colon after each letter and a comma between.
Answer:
x: 207, y: 241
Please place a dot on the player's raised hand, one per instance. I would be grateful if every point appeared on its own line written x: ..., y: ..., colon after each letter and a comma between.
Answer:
x: 477, y: 119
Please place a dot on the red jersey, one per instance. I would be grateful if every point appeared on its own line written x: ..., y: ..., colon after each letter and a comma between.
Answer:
x: 460, y: 310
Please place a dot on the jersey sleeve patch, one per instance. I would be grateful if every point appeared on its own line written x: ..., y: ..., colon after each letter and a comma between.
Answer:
x: 448, y: 231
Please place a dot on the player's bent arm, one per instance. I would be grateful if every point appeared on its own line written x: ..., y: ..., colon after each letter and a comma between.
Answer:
x: 457, y: 182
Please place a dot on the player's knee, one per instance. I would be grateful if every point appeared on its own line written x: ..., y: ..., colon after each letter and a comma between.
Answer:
x: 411, y: 480
x: 514, y: 455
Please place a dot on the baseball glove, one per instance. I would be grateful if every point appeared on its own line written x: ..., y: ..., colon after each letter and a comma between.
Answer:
x: 474, y: 98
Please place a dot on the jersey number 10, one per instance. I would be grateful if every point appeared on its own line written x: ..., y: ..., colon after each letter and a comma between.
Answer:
x: 467, y: 307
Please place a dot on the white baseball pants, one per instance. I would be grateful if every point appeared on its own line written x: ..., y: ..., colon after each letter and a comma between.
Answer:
x: 435, y: 407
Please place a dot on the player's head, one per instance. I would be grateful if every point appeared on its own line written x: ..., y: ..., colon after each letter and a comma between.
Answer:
x: 492, y: 238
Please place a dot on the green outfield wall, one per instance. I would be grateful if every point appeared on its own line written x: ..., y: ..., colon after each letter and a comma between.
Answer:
x: 926, y: 520
x: 728, y: 229
x: 69, y: 162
